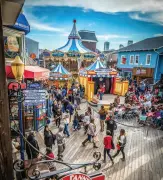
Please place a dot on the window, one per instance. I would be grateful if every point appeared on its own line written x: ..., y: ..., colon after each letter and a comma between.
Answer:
x: 131, y: 59
x: 148, y: 59
x: 123, y: 59
x: 137, y: 59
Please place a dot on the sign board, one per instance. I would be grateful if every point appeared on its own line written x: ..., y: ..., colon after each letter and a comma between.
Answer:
x: 35, y: 85
x: 35, y: 97
x: 79, y: 176
x: 141, y: 71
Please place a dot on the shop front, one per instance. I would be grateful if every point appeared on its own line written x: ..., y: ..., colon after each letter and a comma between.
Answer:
x: 142, y: 73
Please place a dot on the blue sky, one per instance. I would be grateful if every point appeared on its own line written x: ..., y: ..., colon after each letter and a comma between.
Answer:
x: 115, y: 21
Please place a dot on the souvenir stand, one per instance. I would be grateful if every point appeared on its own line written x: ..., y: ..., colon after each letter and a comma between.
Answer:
x: 59, y: 76
x: 94, y: 76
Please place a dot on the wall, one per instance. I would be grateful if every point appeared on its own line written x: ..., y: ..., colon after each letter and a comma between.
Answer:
x: 32, y: 47
x: 159, y: 70
x: 142, y: 59
x: 90, y: 45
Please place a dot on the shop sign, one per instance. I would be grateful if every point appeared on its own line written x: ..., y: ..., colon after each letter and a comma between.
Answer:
x: 113, y: 73
x: 83, y: 177
x: 91, y: 73
x: 76, y: 177
x: 141, y: 71
x: 34, y: 86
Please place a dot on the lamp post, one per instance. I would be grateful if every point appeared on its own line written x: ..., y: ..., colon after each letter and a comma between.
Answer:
x: 17, y: 67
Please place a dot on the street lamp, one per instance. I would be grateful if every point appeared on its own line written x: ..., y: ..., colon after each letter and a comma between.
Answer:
x: 17, y: 67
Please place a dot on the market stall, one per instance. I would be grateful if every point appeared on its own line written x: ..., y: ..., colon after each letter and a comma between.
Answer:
x: 59, y: 76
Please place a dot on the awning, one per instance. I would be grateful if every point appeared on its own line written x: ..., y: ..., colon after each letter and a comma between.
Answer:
x: 31, y: 72
x: 22, y: 24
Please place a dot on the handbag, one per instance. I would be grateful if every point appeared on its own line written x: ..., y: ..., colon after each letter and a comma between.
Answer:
x: 118, y: 147
x: 96, y: 139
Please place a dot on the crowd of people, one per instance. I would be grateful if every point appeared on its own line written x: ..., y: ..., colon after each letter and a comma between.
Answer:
x: 64, y: 105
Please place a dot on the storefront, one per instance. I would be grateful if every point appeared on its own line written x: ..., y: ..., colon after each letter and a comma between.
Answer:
x: 142, y: 73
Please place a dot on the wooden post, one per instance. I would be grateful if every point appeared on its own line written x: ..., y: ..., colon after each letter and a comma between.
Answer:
x: 6, y: 164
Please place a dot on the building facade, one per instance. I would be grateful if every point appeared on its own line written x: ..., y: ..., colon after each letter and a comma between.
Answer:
x: 32, y: 47
x: 106, y: 46
x: 142, y: 60
x: 89, y: 39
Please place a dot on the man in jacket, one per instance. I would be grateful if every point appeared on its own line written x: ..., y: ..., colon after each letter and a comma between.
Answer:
x: 60, y: 142
x: 110, y: 125
x: 31, y: 152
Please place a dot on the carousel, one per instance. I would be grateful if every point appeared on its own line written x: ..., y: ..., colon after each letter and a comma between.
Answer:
x: 59, y: 76
x: 73, y: 55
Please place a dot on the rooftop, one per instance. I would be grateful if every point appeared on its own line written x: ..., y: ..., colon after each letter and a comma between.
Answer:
x: 88, y: 35
x: 145, y: 45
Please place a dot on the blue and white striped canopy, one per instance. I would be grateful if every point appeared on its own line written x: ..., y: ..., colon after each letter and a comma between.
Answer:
x: 61, y: 70
x: 74, y: 43
x: 96, y: 65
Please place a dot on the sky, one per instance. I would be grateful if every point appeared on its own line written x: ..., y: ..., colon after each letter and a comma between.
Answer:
x: 116, y: 21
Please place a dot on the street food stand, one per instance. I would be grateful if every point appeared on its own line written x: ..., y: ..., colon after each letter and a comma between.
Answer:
x: 59, y: 76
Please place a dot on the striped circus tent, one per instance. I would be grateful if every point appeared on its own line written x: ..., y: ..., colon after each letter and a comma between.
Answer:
x: 60, y: 73
x: 96, y: 65
x: 74, y: 46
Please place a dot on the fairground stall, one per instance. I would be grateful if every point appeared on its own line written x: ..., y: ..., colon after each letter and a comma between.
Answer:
x: 97, y: 75
x: 59, y: 76
x: 73, y: 54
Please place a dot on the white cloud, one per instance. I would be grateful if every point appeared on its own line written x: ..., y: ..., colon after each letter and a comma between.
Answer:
x: 154, y: 17
x: 104, y: 5
x: 156, y: 35
x: 40, y: 24
x: 91, y: 24
x: 110, y: 36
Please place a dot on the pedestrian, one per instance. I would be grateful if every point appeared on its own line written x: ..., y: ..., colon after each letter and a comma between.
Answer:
x: 48, y: 137
x: 102, y: 114
x: 86, y: 121
x: 31, y: 152
x: 70, y: 109
x: 66, y: 118
x: 117, y: 101
x: 91, y: 133
x: 108, y: 145
x: 121, y: 144
x: 110, y: 124
x: 76, y: 121
x: 60, y: 142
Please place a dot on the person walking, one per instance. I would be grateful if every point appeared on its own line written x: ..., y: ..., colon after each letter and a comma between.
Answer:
x: 31, y: 152
x: 110, y: 125
x: 91, y: 133
x: 121, y: 144
x: 108, y: 145
x: 60, y: 142
x: 48, y: 137
x: 102, y: 114
x: 66, y: 118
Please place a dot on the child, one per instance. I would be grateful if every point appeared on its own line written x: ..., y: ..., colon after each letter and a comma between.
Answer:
x: 108, y: 145
x: 121, y: 144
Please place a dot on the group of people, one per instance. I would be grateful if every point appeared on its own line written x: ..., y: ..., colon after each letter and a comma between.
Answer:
x: 64, y: 108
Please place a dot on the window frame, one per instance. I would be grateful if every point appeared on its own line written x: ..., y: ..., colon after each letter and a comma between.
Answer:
x: 133, y: 59
x: 122, y: 57
x: 150, y: 59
